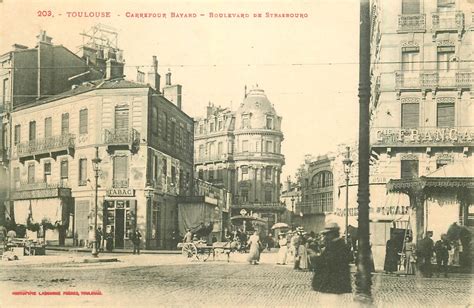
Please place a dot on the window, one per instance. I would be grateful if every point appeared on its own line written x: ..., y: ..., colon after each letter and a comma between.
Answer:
x: 121, y: 117
x: 211, y: 127
x: 48, y: 127
x: 445, y: 115
x: 173, y: 132
x: 64, y: 169
x: 268, y: 196
x: 31, y: 173
x: 165, y: 167
x: 245, y: 173
x: 210, y: 150
x: 120, y: 175
x: 201, y: 129
x: 83, y: 121
x: 201, y: 174
x: 154, y: 119
x: 211, y: 175
x: 269, y: 146
x: 64, y: 123
x: 446, y: 4
x: 47, y: 171
x: 5, y: 91
x: 219, y: 148
x: 155, y: 168
x: 82, y: 172
x: 165, y: 126
x: 410, y: 115
x: 410, y: 6
x: 32, y: 131
x: 245, y: 121
x: 409, y: 169
x: 410, y: 59
x: 220, y: 174
x: 245, y: 146
x: 244, y: 194
x: 445, y: 58
x: 268, y: 173
x: 17, y: 134
x: 269, y: 122
x: 219, y: 125
x: 173, y: 175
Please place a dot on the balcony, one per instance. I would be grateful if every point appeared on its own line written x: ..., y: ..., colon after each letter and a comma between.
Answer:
x: 434, y: 80
x: 411, y: 23
x: 46, y: 147
x: 213, y: 158
x: 461, y: 136
x: 259, y: 156
x: 117, y: 139
x: 310, y: 208
x: 276, y: 206
x: 40, y: 190
x: 448, y: 22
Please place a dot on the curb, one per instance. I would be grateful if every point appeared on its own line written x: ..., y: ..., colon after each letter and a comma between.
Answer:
x: 124, y: 251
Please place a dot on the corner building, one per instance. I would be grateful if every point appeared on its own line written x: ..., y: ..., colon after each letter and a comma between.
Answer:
x: 241, y: 151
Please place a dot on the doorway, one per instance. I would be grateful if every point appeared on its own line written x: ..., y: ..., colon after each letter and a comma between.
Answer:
x: 119, y: 227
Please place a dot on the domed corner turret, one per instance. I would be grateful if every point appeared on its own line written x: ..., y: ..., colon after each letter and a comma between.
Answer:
x: 257, y: 112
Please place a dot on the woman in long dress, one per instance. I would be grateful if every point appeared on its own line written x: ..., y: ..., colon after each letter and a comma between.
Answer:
x: 409, y: 256
x: 282, y: 242
x: 254, y: 244
x: 303, y: 254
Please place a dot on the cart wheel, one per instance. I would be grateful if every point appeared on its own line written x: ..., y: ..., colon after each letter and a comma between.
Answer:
x: 203, y: 255
x: 189, y: 250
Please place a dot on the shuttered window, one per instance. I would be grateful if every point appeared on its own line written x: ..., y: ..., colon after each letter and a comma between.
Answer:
x: 120, y: 168
x: 65, y: 123
x: 445, y: 115
x: 410, y: 6
x: 48, y: 127
x: 121, y: 117
x: 82, y: 171
x: 17, y: 134
x: 31, y: 173
x: 32, y: 132
x: 409, y: 169
x: 410, y: 115
x: 64, y: 168
x: 83, y: 121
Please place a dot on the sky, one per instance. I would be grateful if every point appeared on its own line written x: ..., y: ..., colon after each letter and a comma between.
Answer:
x: 307, y: 66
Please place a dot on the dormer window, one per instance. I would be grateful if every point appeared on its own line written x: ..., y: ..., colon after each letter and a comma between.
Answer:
x: 245, y: 121
x: 269, y: 122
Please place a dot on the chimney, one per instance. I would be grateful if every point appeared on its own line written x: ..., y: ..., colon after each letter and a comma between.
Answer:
x: 43, y: 38
x: 168, y: 78
x: 153, y: 76
x: 210, y: 109
x: 113, y: 69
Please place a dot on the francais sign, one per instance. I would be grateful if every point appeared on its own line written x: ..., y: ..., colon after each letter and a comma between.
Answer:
x: 121, y: 192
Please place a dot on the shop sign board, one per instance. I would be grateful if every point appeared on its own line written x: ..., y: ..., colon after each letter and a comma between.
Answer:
x: 424, y: 136
x: 121, y: 192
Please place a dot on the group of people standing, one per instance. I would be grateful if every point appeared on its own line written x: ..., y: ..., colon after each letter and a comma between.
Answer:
x: 418, y: 257
x: 296, y: 247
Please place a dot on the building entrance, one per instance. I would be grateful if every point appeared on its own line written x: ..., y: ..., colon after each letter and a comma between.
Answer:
x: 120, y: 216
x: 119, y: 227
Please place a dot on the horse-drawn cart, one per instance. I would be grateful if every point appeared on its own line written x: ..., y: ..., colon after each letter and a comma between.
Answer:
x: 199, y: 250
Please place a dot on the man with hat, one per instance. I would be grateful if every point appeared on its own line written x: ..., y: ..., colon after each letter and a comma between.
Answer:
x: 295, y: 244
x: 425, y: 253
x: 332, y: 272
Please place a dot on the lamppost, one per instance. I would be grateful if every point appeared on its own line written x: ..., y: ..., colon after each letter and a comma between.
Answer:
x: 292, y: 210
x: 96, y: 166
x: 148, y: 195
x: 347, y: 170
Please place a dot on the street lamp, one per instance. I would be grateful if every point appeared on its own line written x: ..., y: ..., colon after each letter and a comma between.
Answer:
x: 347, y: 170
x: 149, y: 190
x: 96, y: 166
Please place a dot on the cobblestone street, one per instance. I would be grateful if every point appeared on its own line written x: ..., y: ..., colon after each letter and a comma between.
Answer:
x: 169, y: 280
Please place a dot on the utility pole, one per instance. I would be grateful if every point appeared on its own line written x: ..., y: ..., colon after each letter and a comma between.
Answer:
x: 363, y: 275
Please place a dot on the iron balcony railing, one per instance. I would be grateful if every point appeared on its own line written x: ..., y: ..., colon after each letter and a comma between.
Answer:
x: 446, y: 21
x: 411, y: 23
x: 38, y: 190
x: 46, y: 145
x: 240, y: 203
x: 129, y: 137
x: 422, y: 136
x: 212, y: 158
x: 429, y: 80
x: 312, y: 207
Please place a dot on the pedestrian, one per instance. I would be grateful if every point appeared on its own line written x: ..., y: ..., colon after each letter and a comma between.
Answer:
x: 283, y: 250
x: 295, y: 243
x: 303, y: 253
x: 92, y: 238
x: 441, y: 249
x: 424, y: 254
x: 332, y: 272
x: 109, y: 239
x: 291, y: 249
x: 410, y: 260
x: 391, y: 257
x: 98, y: 236
x: 254, y: 244
x: 188, y: 237
x: 136, y: 239
x: 11, y: 235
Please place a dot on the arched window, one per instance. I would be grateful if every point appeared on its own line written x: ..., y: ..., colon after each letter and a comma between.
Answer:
x: 322, y: 179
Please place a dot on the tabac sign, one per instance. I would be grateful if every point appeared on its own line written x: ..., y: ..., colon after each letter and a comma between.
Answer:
x: 121, y: 192
x: 461, y: 136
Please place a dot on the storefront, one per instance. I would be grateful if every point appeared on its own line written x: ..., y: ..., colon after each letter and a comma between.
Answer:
x: 120, y: 216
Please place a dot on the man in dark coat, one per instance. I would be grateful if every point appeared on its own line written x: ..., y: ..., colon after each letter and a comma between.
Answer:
x: 332, y: 272
x: 424, y: 253
x: 442, y: 248
x: 136, y: 239
x: 391, y: 257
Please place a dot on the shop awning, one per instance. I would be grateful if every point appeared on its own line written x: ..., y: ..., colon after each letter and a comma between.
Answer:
x: 383, y: 207
x: 39, y: 209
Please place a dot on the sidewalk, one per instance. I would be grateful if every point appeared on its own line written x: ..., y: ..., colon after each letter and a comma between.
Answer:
x: 126, y: 251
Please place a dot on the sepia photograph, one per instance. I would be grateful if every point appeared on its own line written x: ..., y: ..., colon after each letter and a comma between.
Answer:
x: 264, y: 153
